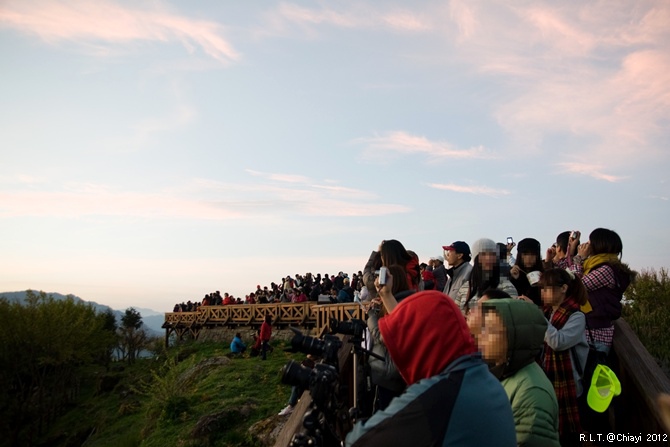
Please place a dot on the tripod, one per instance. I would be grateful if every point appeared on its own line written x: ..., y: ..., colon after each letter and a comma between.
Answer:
x: 357, y: 350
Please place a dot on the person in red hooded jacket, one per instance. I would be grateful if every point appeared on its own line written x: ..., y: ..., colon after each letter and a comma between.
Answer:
x: 451, y: 398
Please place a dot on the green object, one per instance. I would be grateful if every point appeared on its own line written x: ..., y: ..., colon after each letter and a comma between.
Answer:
x: 604, y: 386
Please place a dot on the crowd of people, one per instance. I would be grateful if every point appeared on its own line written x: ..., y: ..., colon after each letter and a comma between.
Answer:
x: 477, y: 345
x: 534, y: 324
x: 297, y: 289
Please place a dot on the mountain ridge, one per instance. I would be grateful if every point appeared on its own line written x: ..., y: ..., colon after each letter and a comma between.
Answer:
x: 153, y: 320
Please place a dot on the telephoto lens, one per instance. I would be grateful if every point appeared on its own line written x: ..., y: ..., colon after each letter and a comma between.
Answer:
x: 296, y: 374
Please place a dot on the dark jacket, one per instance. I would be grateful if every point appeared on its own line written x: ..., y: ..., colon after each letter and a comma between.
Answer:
x: 606, y: 302
x: 440, y: 273
x: 384, y: 372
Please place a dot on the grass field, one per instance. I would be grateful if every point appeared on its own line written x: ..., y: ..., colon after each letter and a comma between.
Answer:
x: 194, y: 395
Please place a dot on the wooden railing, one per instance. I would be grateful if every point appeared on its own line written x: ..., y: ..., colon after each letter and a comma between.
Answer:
x: 310, y: 315
x: 642, y: 381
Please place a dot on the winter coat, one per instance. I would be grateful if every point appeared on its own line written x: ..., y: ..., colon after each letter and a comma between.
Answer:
x: 505, y: 285
x: 531, y: 394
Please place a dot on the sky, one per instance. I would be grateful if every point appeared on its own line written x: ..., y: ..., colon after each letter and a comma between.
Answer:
x: 155, y: 151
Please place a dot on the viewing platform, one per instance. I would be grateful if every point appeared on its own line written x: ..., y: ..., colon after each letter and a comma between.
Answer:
x: 634, y: 411
x: 308, y: 315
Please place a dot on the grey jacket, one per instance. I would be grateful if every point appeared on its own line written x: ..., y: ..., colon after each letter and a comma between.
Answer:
x: 460, y: 275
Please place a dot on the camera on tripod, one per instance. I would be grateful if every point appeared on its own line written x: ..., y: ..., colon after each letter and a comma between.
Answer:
x: 327, y: 421
x: 325, y: 348
x: 354, y: 327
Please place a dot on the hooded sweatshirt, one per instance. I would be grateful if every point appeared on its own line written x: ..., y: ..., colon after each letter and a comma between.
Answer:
x: 416, y: 338
x: 531, y: 394
x: 452, y: 398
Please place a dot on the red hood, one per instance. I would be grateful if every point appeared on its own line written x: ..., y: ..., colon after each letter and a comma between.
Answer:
x: 424, y: 334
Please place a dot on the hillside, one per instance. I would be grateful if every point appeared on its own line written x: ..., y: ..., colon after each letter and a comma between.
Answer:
x: 192, y: 395
x: 152, y: 319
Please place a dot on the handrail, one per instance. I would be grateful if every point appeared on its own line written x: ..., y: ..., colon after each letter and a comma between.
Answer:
x: 642, y: 381
x: 308, y: 314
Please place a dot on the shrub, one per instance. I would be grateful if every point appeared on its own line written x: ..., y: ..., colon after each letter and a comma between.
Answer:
x: 647, y: 310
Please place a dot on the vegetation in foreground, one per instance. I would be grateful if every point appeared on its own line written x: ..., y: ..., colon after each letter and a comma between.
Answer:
x: 648, y: 313
x: 193, y: 395
x: 61, y: 387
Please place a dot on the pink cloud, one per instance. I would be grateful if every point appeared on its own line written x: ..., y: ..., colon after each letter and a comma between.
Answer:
x: 589, y: 170
x: 351, y: 17
x: 402, y: 143
x: 98, y: 201
x: 597, y: 72
x: 87, y: 22
x: 202, y: 199
x: 406, y: 21
x: 471, y: 189
x: 299, y: 14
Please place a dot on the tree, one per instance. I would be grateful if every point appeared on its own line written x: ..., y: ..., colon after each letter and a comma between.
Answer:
x: 132, y: 338
x: 45, y: 345
x: 109, y: 327
x: 132, y: 319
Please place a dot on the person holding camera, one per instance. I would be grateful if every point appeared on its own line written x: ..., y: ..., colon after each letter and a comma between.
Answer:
x: 383, y: 373
x: 563, y: 253
x: 392, y: 252
x: 451, y: 398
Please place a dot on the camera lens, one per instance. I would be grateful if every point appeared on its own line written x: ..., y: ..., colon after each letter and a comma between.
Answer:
x: 293, y: 373
x: 307, y: 344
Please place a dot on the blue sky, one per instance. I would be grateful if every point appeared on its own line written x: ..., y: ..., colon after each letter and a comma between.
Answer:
x: 154, y: 151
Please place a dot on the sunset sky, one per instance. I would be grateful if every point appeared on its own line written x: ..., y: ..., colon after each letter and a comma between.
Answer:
x: 154, y: 151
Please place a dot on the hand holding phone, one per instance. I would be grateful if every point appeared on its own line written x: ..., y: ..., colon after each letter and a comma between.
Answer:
x: 383, y: 271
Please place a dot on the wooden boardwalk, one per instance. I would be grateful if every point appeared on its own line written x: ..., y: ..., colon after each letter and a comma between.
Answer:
x: 308, y: 315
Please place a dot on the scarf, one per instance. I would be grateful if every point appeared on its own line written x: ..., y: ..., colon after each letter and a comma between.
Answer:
x: 558, y: 367
x: 596, y: 260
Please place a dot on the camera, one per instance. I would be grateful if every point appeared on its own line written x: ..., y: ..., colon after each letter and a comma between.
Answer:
x: 574, y: 235
x: 381, y: 273
x: 353, y: 327
x: 321, y: 381
x: 326, y: 348
x: 510, y: 240
x: 327, y: 421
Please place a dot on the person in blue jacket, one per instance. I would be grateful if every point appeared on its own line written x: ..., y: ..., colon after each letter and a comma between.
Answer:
x: 451, y: 398
x: 237, y: 346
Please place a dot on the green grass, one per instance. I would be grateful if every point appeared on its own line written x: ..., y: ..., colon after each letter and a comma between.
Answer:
x: 159, y: 402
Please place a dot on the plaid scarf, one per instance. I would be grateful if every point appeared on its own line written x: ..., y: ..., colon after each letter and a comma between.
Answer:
x: 558, y: 367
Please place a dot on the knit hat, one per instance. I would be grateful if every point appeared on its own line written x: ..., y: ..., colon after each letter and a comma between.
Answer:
x: 482, y: 245
x: 528, y: 245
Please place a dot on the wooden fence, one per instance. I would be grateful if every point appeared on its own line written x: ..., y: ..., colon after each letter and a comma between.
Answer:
x: 308, y: 315
x: 642, y: 382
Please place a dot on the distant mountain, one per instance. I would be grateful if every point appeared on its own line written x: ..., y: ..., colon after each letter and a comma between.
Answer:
x: 152, y: 320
